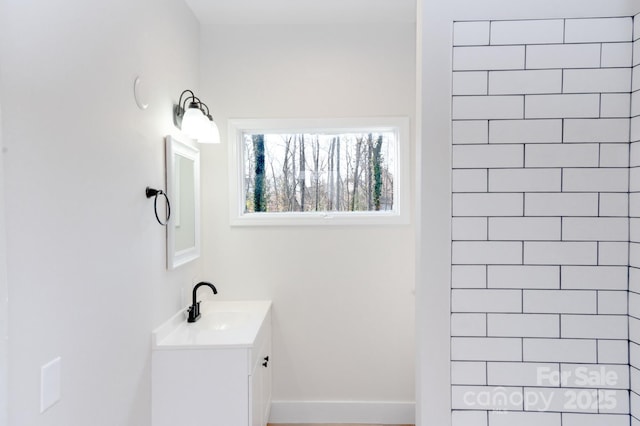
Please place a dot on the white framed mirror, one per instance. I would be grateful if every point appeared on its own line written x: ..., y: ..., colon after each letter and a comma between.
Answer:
x: 183, y: 188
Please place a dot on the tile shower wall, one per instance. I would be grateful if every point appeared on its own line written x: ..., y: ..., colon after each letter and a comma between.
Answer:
x: 634, y: 235
x: 540, y: 227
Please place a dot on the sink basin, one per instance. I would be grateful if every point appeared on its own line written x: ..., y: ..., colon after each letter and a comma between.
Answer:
x: 222, y: 324
x: 223, y: 321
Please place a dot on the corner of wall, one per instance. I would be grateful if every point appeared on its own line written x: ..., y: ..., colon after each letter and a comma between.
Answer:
x: 634, y: 227
x: 4, y: 297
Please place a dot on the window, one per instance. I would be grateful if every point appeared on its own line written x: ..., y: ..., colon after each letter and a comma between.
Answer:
x: 339, y: 171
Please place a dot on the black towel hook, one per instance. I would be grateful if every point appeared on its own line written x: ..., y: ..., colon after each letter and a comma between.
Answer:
x: 150, y: 192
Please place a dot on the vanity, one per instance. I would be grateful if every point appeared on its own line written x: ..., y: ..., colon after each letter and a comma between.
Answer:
x: 216, y: 371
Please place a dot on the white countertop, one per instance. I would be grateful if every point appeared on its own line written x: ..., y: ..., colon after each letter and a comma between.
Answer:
x: 223, y: 324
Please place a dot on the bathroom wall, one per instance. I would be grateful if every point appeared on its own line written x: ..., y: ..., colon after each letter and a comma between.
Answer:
x: 634, y: 236
x: 540, y: 218
x: 4, y: 295
x: 511, y: 322
x: 343, y: 343
x: 85, y: 256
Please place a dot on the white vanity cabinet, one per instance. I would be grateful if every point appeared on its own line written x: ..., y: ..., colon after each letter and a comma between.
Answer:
x: 260, y: 385
x: 211, y: 382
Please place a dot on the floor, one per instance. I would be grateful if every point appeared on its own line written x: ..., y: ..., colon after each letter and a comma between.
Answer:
x: 323, y: 424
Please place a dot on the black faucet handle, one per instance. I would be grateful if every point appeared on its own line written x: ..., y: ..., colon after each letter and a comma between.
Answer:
x: 194, y: 312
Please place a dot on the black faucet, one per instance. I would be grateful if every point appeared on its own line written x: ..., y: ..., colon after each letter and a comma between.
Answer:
x: 194, y: 310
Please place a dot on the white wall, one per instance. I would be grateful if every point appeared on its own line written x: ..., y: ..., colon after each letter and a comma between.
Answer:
x: 86, y: 258
x: 343, y: 303
x: 4, y: 294
x: 434, y: 64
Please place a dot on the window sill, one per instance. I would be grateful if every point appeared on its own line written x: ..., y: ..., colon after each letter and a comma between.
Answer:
x: 321, y: 219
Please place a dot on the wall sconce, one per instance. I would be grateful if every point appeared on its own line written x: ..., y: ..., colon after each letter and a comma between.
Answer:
x: 193, y: 118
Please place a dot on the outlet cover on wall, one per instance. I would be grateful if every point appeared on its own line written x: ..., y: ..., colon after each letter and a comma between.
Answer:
x: 50, y: 384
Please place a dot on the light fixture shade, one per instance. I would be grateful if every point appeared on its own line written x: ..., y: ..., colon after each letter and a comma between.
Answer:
x: 194, y: 123
x: 192, y: 116
x: 212, y: 135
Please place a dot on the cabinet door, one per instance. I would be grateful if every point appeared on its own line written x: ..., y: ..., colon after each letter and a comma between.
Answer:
x: 255, y: 397
x: 260, y: 379
x: 266, y: 368
x: 200, y: 387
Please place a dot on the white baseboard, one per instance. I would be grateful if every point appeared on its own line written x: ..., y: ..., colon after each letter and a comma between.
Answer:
x: 372, y: 412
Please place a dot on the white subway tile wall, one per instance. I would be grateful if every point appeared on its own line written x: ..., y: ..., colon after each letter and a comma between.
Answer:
x: 617, y: 55
x: 598, y: 30
x: 524, y: 82
x: 614, y: 105
x: 523, y: 131
x: 562, y: 56
x: 599, y: 130
x: 546, y: 125
x: 634, y: 235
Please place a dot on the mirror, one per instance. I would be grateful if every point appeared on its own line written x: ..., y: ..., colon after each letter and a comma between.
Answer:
x: 183, y: 189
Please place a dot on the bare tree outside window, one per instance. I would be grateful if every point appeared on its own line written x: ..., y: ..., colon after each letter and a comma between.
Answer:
x: 319, y: 172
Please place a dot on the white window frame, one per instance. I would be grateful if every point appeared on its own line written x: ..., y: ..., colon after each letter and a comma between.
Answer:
x: 400, y: 215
